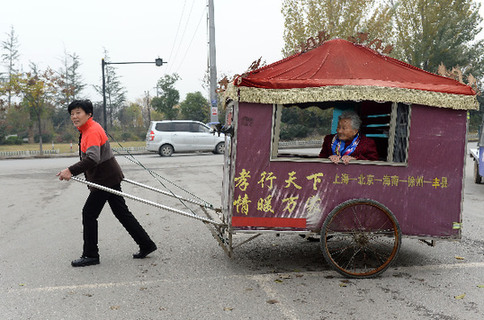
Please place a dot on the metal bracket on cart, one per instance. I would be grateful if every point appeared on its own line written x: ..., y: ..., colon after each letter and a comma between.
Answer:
x: 430, y: 243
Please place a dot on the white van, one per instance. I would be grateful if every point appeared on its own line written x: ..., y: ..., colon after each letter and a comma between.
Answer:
x: 169, y: 136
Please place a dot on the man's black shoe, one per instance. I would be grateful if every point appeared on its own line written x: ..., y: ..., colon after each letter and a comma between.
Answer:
x: 84, y: 262
x: 144, y: 252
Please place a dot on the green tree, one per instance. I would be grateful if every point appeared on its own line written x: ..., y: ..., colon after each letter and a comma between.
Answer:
x: 304, y: 123
x: 38, y: 89
x: 10, y: 58
x: 15, y: 118
x: 3, y: 128
x: 195, y: 107
x: 338, y: 18
x: 429, y: 33
x: 442, y: 32
x: 424, y: 33
x: 61, y: 122
x: 13, y: 122
x: 168, y: 96
x: 131, y: 116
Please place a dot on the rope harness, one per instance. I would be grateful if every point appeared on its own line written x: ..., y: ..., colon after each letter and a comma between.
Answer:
x: 163, y: 182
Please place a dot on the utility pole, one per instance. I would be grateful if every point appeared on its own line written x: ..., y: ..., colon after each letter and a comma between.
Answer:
x: 212, y: 63
x: 148, y: 102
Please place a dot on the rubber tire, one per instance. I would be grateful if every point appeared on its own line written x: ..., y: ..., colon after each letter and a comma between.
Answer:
x: 166, y: 150
x: 360, y: 234
x: 219, y: 148
x: 477, y: 176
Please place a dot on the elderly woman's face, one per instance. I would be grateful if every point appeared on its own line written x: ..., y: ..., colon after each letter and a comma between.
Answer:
x: 345, y: 130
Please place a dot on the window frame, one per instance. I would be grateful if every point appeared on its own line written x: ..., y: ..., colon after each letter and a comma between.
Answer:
x: 275, y: 139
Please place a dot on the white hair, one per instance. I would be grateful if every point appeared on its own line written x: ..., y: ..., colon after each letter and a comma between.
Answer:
x: 351, y: 115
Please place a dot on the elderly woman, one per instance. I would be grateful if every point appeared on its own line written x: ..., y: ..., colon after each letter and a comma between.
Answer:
x: 348, y: 143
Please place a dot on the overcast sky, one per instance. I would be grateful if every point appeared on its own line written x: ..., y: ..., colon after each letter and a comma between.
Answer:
x: 143, y: 30
x: 175, y: 31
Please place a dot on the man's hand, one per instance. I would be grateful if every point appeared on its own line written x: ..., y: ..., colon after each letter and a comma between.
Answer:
x: 65, y: 174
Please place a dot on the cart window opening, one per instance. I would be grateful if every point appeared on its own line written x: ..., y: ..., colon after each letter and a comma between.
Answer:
x: 299, y: 130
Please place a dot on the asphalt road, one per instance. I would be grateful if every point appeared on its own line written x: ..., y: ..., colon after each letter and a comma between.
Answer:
x: 190, y: 277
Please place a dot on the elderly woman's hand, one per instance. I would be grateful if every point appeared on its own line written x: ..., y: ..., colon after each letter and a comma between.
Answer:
x: 346, y: 159
x: 334, y: 158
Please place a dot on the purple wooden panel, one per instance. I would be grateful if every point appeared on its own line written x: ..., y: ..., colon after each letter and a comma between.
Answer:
x: 425, y: 196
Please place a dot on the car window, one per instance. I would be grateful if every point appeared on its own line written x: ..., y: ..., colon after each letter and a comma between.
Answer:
x: 163, y: 126
x: 182, y: 126
x: 197, y: 127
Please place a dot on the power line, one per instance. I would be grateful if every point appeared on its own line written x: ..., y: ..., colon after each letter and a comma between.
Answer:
x: 177, y: 30
x: 191, y: 40
x: 183, y: 34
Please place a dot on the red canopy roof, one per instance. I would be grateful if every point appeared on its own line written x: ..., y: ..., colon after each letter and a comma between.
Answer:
x: 340, y: 63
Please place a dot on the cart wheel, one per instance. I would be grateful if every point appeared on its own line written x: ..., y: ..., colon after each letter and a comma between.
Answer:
x: 477, y: 176
x: 360, y: 238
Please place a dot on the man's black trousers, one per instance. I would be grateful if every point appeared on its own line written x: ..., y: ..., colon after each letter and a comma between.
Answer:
x: 91, y: 211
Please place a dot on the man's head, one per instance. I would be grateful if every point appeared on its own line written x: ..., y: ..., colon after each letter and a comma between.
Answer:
x: 85, y: 105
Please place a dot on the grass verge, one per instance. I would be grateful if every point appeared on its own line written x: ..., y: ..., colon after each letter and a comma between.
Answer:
x: 63, y: 147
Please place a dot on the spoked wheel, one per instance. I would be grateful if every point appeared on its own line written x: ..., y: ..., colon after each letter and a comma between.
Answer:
x: 360, y: 238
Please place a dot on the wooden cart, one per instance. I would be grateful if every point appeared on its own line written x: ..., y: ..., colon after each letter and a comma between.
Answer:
x: 361, y: 210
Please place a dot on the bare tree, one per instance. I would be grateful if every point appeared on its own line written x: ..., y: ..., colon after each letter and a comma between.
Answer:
x: 71, y: 82
x: 10, y: 57
x: 115, y: 92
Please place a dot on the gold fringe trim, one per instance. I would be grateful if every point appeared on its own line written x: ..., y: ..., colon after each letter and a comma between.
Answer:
x: 352, y: 93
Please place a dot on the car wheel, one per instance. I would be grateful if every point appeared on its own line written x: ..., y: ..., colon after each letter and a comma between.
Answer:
x: 166, y: 150
x: 220, y: 148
